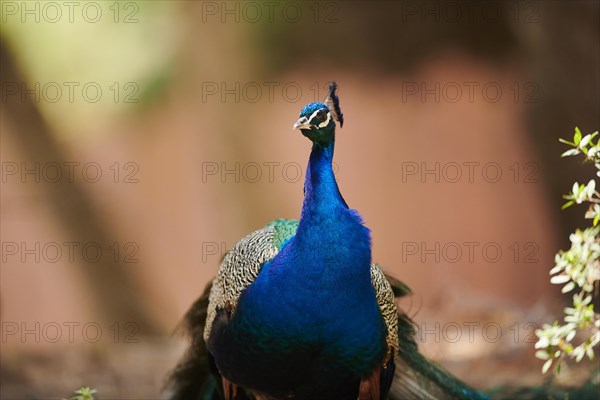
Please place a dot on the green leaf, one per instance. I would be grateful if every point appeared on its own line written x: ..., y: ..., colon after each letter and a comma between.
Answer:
x: 566, y: 142
x: 569, y: 347
x: 577, y: 136
x: 593, y: 135
x: 568, y: 204
x: 84, y: 393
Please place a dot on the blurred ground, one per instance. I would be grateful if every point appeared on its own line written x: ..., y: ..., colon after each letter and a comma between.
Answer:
x: 137, y: 370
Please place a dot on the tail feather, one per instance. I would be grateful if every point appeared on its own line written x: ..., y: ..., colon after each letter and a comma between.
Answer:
x: 416, y: 377
x: 192, y: 378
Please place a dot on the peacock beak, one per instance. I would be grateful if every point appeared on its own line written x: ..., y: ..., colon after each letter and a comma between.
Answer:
x: 302, y: 123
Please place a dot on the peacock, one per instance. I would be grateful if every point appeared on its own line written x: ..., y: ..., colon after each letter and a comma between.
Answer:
x: 299, y: 311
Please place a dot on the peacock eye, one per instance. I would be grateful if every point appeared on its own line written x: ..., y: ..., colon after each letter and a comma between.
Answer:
x: 321, y: 115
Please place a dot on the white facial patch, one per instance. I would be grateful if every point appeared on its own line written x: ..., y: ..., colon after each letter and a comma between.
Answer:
x: 324, y: 123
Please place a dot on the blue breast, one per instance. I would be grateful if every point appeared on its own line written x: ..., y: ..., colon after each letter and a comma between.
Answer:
x: 309, y: 325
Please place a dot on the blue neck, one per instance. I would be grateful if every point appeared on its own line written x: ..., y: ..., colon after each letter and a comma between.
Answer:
x: 331, y: 247
x: 331, y: 241
x: 321, y: 193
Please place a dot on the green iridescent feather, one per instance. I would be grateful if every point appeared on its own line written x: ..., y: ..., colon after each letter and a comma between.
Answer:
x: 284, y: 229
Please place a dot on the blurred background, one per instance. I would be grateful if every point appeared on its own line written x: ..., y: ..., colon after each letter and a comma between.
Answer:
x: 141, y: 139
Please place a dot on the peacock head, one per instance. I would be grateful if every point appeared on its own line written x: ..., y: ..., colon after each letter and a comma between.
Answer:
x: 317, y: 120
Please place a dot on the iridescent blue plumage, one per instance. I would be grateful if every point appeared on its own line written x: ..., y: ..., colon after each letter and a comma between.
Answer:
x: 310, y: 108
x: 291, y: 334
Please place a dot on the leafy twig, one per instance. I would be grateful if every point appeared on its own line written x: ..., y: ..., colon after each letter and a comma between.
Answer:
x: 85, y: 393
x: 577, y: 269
